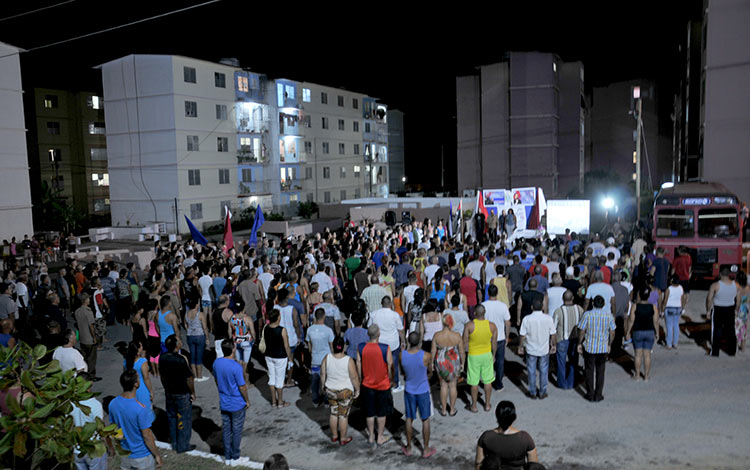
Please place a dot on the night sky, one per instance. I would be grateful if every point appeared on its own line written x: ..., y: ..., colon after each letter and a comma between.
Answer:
x: 407, y: 59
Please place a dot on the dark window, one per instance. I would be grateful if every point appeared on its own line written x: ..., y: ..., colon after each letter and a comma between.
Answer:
x: 675, y: 223
x: 716, y: 223
x: 189, y: 73
x: 220, y: 80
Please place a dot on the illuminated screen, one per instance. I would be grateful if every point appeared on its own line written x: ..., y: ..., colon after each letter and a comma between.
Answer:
x: 572, y: 214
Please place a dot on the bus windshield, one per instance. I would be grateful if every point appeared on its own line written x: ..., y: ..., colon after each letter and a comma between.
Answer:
x: 675, y: 223
x: 715, y: 223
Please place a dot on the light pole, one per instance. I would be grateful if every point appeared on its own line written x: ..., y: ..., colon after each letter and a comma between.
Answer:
x: 638, y: 105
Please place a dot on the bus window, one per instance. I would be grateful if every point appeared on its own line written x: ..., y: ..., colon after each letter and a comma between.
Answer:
x: 675, y: 223
x: 714, y: 223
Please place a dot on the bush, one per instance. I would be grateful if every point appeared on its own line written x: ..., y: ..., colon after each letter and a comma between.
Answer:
x: 41, y: 427
x: 307, y: 209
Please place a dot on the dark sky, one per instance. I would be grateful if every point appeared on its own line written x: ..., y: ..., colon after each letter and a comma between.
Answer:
x: 407, y: 59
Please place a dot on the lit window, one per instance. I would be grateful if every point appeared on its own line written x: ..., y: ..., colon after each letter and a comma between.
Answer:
x: 635, y: 157
x: 101, y: 205
x: 242, y: 84
x: 50, y: 101
x: 192, y: 143
x: 245, y: 141
x: 95, y: 102
x: 357, y: 170
x: 96, y: 128
x: 196, y: 211
x: 635, y: 176
x: 191, y: 109
x: 554, y: 67
x: 222, y: 144
x: 342, y: 173
x: 100, y: 179
x: 220, y: 80
x: 189, y: 74
x: 98, y: 153
x: 289, y: 92
x: 306, y: 95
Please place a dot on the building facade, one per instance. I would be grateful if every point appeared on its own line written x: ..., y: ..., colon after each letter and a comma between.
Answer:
x: 396, y: 159
x: 15, y: 192
x: 67, y: 149
x: 188, y: 136
x: 521, y: 122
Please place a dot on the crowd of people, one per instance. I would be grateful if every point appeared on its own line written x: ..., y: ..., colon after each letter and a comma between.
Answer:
x: 358, y: 314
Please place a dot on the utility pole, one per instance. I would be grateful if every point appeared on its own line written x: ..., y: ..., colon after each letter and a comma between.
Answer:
x: 638, y: 104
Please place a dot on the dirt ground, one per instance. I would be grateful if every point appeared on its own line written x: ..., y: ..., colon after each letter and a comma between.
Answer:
x: 693, y: 413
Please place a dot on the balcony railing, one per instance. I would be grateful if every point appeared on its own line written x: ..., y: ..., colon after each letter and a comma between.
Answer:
x: 250, y: 188
x: 291, y: 185
x: 244, y: 157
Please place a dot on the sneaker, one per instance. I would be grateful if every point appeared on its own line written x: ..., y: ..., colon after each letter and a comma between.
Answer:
x: 228, y: 462
x: 398, y: 389
x: 201, y: 379
x: 543, y: 396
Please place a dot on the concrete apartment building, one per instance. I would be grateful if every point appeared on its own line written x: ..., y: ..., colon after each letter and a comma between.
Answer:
x: 396, y: 159
x: 187, y: 136
x: 725, y: 100
x: 521, y: 122
x: 15, y: 193
x: 613, y: 134
x: 67, y: 131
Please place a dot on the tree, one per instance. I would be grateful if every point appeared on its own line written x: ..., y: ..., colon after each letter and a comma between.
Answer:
x: 56, y: 213
x: 307, y: 209
x: 40, y: 427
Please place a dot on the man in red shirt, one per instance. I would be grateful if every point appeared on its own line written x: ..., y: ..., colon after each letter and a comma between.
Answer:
x: 470, y: 288
x: 538, y: 262
x: 682, y: 267
x: 374, y: 361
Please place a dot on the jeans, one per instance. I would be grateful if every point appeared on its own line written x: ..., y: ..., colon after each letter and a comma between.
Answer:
x: 672, y: 318
x: 315, y: 385
x: 197, y: 345
x: 231, y: 431
x: 91, y: 463
x: 567, y: 359
x: 143, y: 463
x: 180, y: 417
x: 396, y: 364
x: 542, y: 362
x: 595, y: 364
x: 499, y: 365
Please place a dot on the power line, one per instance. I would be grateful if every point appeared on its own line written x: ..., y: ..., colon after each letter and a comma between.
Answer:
x: 34, y: 11
x: 113, y: 28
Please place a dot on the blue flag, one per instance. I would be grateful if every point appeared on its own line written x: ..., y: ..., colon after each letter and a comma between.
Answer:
x: 450, y: 220
x: 197, y: 236
x: 257, y: 222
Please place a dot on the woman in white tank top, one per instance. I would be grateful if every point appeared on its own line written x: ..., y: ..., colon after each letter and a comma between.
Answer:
x: 341, y: 386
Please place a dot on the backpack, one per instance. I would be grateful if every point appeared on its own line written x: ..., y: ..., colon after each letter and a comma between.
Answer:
x: 123, y: 288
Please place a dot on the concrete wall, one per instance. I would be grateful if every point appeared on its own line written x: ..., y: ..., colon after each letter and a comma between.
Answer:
x: 495, y: 138
x: 571, y: 137
x: 726, y: 144
x: 15, y: 194
x: 396, y: 150
x: 468, y: 138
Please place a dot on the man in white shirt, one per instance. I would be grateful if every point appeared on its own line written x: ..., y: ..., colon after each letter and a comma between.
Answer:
x: 566, y: 318
x: 205, y: 282
x: 460, y: 317
x: 430, y: 270
x: 537, y: 341
x: 555, y: 294
x: 391, y: 333
x: 476, y: 268
x: 611, y: 248
x: 68, y: 356
x: 324, y: 282
x: 597, y: 247
x: 407, y: 295
x: 553, y: 266
x: 499, y: 315
x: 599, y: 287
x: 265, y: 279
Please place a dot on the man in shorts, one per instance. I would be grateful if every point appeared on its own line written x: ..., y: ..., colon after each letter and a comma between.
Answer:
x: 374, y: 361
x: 481, y: 336
x: 417, y: 366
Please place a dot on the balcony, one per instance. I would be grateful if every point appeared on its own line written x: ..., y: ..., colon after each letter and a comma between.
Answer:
x: 291, y: 185
x: 247, y: 156
x: 251, y: 188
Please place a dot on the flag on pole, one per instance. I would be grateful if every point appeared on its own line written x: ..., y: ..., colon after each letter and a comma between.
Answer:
x: 257, y: 222
x: 450, y: 220
x: 228, y: 240
x: 197, y: 236
x: 459, y: 220
x: 533, y: 221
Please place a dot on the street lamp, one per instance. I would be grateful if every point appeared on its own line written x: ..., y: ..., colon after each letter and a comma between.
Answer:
x: 667, y: 185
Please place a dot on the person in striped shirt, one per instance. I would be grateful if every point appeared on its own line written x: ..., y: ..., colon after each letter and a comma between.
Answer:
x: 596, y: 332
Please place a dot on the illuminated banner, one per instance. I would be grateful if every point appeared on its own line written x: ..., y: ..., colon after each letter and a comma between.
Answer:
x: 520, y: 200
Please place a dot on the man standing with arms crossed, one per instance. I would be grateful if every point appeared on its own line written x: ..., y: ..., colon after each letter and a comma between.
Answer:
x: 481, y: 336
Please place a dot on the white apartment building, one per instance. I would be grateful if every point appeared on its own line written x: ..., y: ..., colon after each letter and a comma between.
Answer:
x: 187, y: 136
x: 15, y: 193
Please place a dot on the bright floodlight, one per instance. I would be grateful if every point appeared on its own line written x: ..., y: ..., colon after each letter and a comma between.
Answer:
x: 403, y: 179
x: 668, y: 184
x: 608, y: 203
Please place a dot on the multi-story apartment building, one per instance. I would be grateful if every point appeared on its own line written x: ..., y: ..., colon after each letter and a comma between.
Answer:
x: 187, y: 136
x: 520, y: 122
x: 396, y: 159
x: 15, y: 194
x: 67, y: 148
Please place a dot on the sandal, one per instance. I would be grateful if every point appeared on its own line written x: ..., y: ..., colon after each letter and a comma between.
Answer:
x: 428, y: 452
x: 473, y: 410
x: 284, y: 404
x: 453, y: 412
x: 406, y: 451
x: 335, y: 439
x: 346, y: 441
x: 442, y: 412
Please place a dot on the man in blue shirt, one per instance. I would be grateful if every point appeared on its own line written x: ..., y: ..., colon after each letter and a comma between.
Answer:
x: 319, y: 338
x: 233, y: 400
x: 135, y: 420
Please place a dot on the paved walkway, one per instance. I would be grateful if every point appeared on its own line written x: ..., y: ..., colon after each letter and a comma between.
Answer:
x: 693, y: 413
